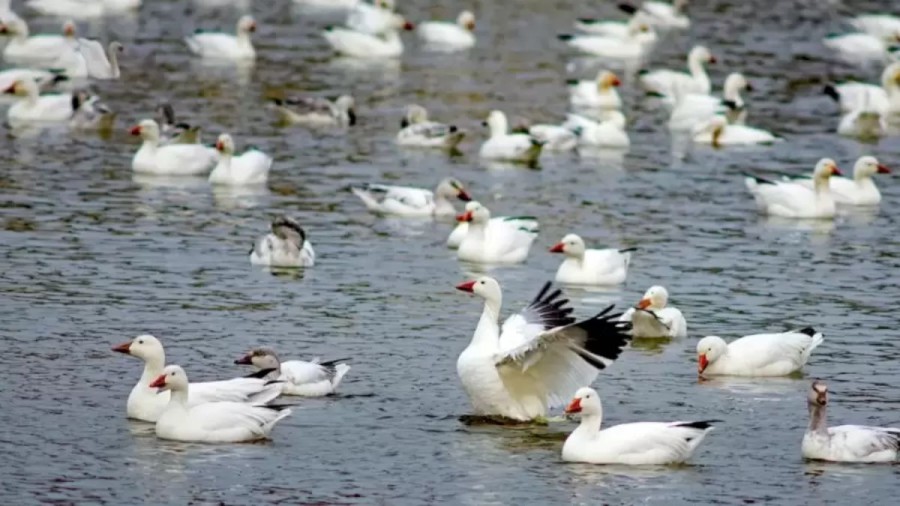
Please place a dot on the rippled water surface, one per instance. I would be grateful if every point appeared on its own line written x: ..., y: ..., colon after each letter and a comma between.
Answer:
x: 92, y: 257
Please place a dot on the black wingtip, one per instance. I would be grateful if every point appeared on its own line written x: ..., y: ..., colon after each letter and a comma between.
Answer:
x: 260, y: 374
x: 808, y: 331
x: 832, y: 92
x: 453, y: 129
x: 627, y: 8
x: 332, y: 363
x: 731, y: 105
x: 277, y: 407
x: 628, y: 250
x: 587, y: 21
x: 606, y: 337
x: 571, y: 82
x: 702, y: 424
x: 278, y: 101
x: 565, y: 36
x: 759, y: 180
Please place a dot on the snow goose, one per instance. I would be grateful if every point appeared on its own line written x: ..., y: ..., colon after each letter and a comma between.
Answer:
x: 695, y: 108
x: 634, y: 46
x: 884, y: 26
x: 44, y: 79
x: 584, y: 266
x: 223, y: 46
x: 884, y: 99
x: 416, y: 130
x: 511, y: 223
x: 250, y: 167
x: 610, y: 28
x: 670, y: 84
x: 608, y: 133
x: 795, y: 200
x: 413, y: 202
x: 717, y: 132
x: 598, y: 94
x: 315, y: 111
x: 375, y: 18
x: 83, y: 8
x: 538, y: 358
x: 171, y: 159
x: 487, y: 242
x: 845, y: 443
x: 859, y: 191
x: 145, y: 404
x: 634, y: 444
x: 862, y: 124
x: 90, y: 113
x: 652, y: 317
x: 32, y: 107
x: 6, y: 12
x: 661, y: 14
x: 858, y: 46
x: 172, y: 132
x: 553, y: 137
x: 285, y: 246
x: 458, y: 35
x: 298, y: 377
x: 90, y: 60
x: 509, y: 147
x: 210, y: 422
x: 42, y: 48
x: 358, y: 44
x: 777, y: 354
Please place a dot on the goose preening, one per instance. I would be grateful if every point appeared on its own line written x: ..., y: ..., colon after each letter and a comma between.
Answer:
x: 845, y: 443
x: 145, y: 404
x: 717, y: 132
x: 661, y: 14
x: 634, y: 46
x: 607, y: 133
x: 795, y: 200
x: 316, y: 111
x: 416, y: 130
x: 372, y: 18
x: 90, y: 59
x: 36, y: 49
x: 89, y: 112
x: 173, y: 132
x: 358, y: 44
x: 512, y: 225
x: 502, y: 145
x: 83, y: 9
x: 652, y: 317
x: 599, y: 93
x: 584, y: 266
x: 285, y: 246
x: 670, y: 84
x: 298, y: 377
x: 883, y: 99
x: 640, y: 443
x: 183, y: 419
x: 859, y: 191
x: 249, y: 168
x: 884, y: 26
x: 169, y: 159
x: 489, y: 242
x: 777, y: 354
x: 538, y: 358
x: 225, y: 46
x: 32, y: 107
x: 855, y: 47
x: 449, y: 36
x: 695, y: 108
x: 413, y: 202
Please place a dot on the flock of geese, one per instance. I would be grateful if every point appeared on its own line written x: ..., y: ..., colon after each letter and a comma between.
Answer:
x: 535, y: 359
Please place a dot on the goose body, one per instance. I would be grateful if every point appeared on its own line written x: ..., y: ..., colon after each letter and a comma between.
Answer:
x: 668, y: 15
x: 858, y: 191
x: 608, y: 133
x: 376, y: 18
x: 634, y: 46
x: 36, y: 49
x: 285, y: 246
x: 597, y: 94
x: 249, y: 168
x: 696, y: 108
x: 491, y: 243
x: 298, y: 377
x: 32, y: 107
x: 671, y: 84
x: 413, y: 202
x: 316, y: 111
x: 857, y: 46
x: 363, y: 45
x: 883, y: 99
x: 652, y: 317
x: 83, y: 8
x: 796, y: 200
x: 554, y: 137
x: 509, y: 147
x: 511, y: 224
x: 171, y: 159
x: 418, y: 131
x: 717, y: 132
x: 451, y: 36
x: 584, y: 266
x: 224, y: 46
x: 883, y: 26
x: 777, y: 354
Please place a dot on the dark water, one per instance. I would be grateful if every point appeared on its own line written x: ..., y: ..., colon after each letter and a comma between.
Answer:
x: 93, y: 257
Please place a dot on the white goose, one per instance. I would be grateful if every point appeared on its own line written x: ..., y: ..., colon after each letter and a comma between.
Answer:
x: 652, y: 317
x: 32, y: 107
x: 90, y: 113
x: 512, y: 224
x: 145, y: 404
x: 845, y: 443
x: 619, y: 29
x: 717, y: 132
x: 671, y: 84
x: 249, y: 168
x: 285, y: 246
x: 416, y: 130
x: 758, y: 354
x: 210, y: 422
x: 634, y: 444
x: 487, y: 242
x: 661, y: 14
x: 553, y: 137
x: 509, y: 147
x: 862, y: 124
x: 884, y: 99
x: 90, y: 60
x: 608, y: 133
x: 83, y: 8
x: 316, y: 111
x: 413, y: 202
x: 171, y: 159
x: 375, y: 18
x: 634, y: 46
x: 298, y: 377
x: 884, y: 26
x: 859, y: 191
x: 35, y: 49
x: 858, y: 46
x: 538, y: 358
x: 695, y: 108
x: 584, y: 266
x: 44, y: 79
x: 597, y: 94
x: 795, y: 200
x: 224, y: 46
x: 454, y: 36
x: 358, y: 44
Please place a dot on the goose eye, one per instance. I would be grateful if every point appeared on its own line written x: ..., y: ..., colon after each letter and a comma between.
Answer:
x: 141, y: 341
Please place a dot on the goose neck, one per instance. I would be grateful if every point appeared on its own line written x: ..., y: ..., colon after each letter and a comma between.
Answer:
x: 817, y: 418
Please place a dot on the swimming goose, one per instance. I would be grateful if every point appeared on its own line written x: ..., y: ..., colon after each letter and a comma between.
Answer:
x: 358, y: 44
x: 634, y: 46
x: 619, y: 29
x: 36, y: 49
x: 372, y: 18
x: 285, y: 246
x: 513, y: 224
x: 172, y: 132
x: 32, y: 107
x: 584, y: 266
x: 144, y: 403
x: 298, y: 377
x: 510, y: 147
x: 553, y: 137
x: 717, y: 132
x: 608, y: 133
x: 695, y: 108
x: 884, y: 99
x: 170, y: 159
x: 210, y: 422
x: 795, y: 200
x: 599, y: 94
x: 83, y: 8
x: 661, y: 14
x: 863, y: 124
x: 634, y: 444
x: 652, y: 317
x: 90, y: 113
x: 46, y: 80
x: 413, y: 202
x: 90, y: 60
x: 538, y: 358
x: 250, y: 167
x: 458, y: 35
x: 859, y: 191
x: 488, y: 242
x: 671, y: 84
x: 416, y: 130
x: 857, y: 46
x: 845, y: 443
x: 224, y: 46
x: 758, y: 354
x: 316, y: 111
x: 883, y: 26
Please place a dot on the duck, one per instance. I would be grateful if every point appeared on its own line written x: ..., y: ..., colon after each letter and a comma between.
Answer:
x: 82, y: 8
x: 717, y: 132
x: 794, y: 200
x: 372, y: 18
x: 90, y: 59
x: 171, y: 159
x: 32, y: 107
x: 511, y: 224
x: 301, y: 378
x: 316, y: 111
x: 224, y: 46
x: 597, y: 94
x: 671, y: 84
x: 145, y: 404
x: 36, y: 49
x: 285, y: 246
x: 661, y: 14
x: 210, y: 422
x: 608, y: 133
x: 584, y: 266
x: 413, y: 202
x: 416, y: 130
x: 538, y: 358
x: 695, y: 108
x: 508, y: 147
x: 173, y: 132
x: 486, y: 242
x: 90, y: 113
x: 884, y: 26
x: 883, y: 99
x: 634, y: 46
x: 778, y: 354
x: 356, y: 44
x: 859, y: 191
x: 858, y: 46
x: 652, y: 317
x: 249, y: 168
x: 632, y: 444
x: 458, y: 35
x: 844, y: 443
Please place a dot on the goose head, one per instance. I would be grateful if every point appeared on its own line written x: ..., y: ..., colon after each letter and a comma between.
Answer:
x: 246, y: 25
x: 709, y: 349
x: 890, y: 77
x: 147, y: 129
x: 570, y: 245
x: 586, y: 401
x: 825, y: 169
x: 23, y: 88
x: 144, y: 347
x: 261, y: 358
x: 415, y: 114
x: 15, y: 27
x: 701, y: 55
x: 466, y: 20
x: 225, y: 144
x: 346, y: 104
x: 69, y: 30
x: 450, y: 188
x: 401, y: 23
x: 818, y: 393
x: 607, y: 80
x: 734, y: 84
x: 475, y: 213
x: 288, y: 229
x: 655, y: 298
x: 496, y: 123
x: 868, y: 166
x: 485, y: 287
x: 173, y: 378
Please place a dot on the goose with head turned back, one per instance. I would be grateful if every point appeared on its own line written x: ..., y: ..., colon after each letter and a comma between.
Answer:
x: 538, y: 358
x: 502, y: 145
x: 670, y: 83
x: 635, y: 45
x: 859, y: 191
x: 653, y: 317
x: 486, y: 242
x: 298, y: 377
x: 249, y: 168
x: 449, y: 36
x: 584, y: 266
x: 795, y: 200
x: 224, y: 46
x: 413, y: 202
x: 316, y: 111
x: 695, y: 108
x: 285, y: 246
x: 717, y: 132
x: 416, y: 130
x: 170, y: 159
x: 777, y: 354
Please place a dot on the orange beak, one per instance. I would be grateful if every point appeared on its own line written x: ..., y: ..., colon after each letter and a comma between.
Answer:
x: 136, y: 130
x: 574, y: 406
x: 835, y: 171
x: 123, y: 348
x: 883, y: 169
x: 702, y: 363
x: 643, y: 303
x: 159, y: 382
x: 463, y: 195
x: 468, y: 286
x: 466, y: 216
x: 558, y: 248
